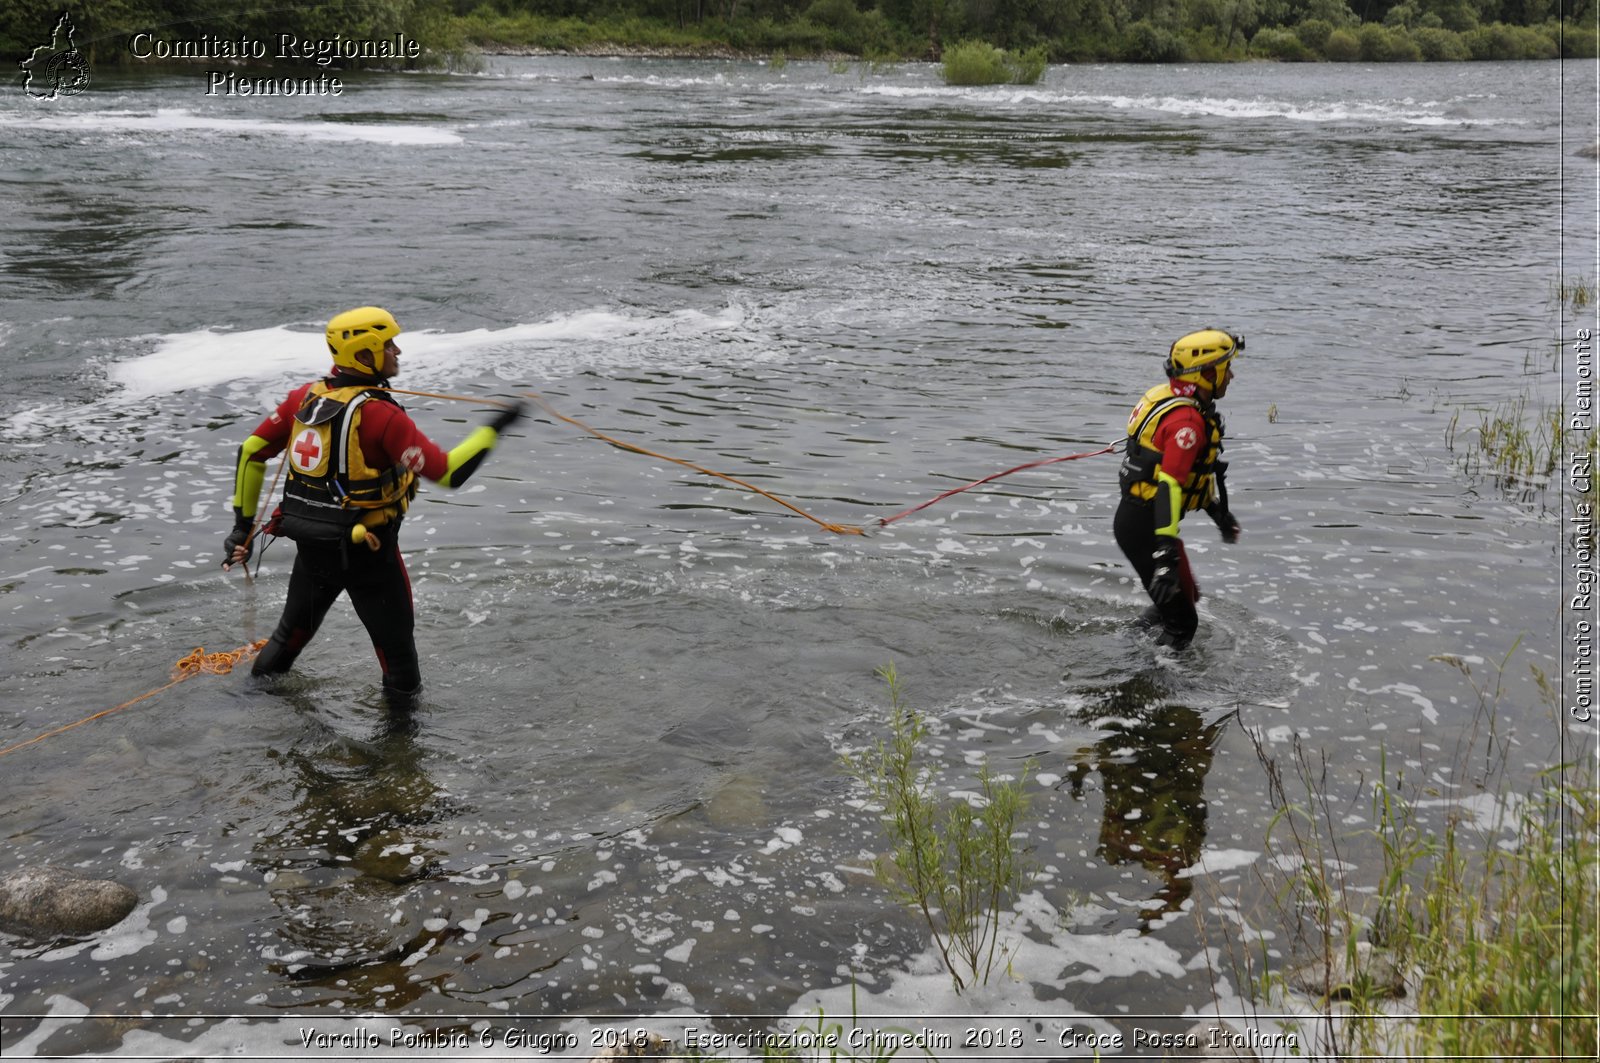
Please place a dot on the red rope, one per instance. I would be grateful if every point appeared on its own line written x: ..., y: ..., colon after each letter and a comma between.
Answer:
x: 1108, y: 448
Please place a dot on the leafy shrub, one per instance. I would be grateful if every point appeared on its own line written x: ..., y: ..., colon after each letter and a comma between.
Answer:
x: 1342, y: 47
x: 1147, y: 43
x: 1403, y: 15
x: 974, y: 63
x: 1029, y: 66
x: 1438, y: 45
x: 1500, y: 41
x: 1458, y: 15
x: 1402, y: 49
x: 1276, y: 43
x: 1580, y: 42
x: 981, y: 63
x: 1313, y: 33
x: 958, y: 865
x: 1383, y: 44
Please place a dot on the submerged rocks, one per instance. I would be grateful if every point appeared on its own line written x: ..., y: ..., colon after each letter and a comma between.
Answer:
x: 51, y: 901
x: 1375, y: 974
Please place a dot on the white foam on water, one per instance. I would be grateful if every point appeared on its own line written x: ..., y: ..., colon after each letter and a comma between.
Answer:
x: 1400, y: 112
x: 590, y: 338
x: 668, y: 82
x: 1219, y: 861
x: 170, y: 120
x: 922, y: 997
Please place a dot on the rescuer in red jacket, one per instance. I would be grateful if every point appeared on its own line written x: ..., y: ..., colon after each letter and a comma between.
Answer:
x: 1174, y: 466
x: 354, y: 458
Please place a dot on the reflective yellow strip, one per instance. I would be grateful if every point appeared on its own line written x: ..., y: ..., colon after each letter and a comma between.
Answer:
x: 1174, y: 503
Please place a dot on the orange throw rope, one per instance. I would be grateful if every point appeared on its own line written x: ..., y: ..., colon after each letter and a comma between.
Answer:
x: 453, y: 398
x: 1108, y: 448
x: 199, y: 662
x: 837, y: 529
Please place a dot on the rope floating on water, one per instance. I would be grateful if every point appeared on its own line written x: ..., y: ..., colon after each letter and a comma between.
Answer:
x: 837, y: 529
x: 1108, y: 448
x: 197, y: 662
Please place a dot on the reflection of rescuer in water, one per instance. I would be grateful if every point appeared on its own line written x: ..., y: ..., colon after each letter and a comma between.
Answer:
x: 1173, y: 465
x: 354, y: 459
x: 1154, y: 772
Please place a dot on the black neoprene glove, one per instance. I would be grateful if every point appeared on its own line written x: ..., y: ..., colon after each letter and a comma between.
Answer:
x: 508, y: 416
x: 1226, y: 524
x: 1166, y: 586
x: 1218, y: 510
x: 240, y: 536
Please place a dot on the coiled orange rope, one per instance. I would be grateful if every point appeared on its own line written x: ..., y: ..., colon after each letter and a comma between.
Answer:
x: 199, y: 662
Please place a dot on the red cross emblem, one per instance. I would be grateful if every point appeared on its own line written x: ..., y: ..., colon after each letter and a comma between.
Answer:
x: 307, y: 450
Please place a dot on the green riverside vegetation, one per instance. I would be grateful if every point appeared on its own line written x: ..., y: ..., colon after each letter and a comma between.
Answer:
x: 958, y: 866
x: 981, y: 63
x: 1447, y: 925
x: 878, y: 31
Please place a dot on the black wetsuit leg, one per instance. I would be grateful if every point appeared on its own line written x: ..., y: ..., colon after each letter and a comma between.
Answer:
x: 1134, y: 529
x: 314, y: 585
x: 379, y: 589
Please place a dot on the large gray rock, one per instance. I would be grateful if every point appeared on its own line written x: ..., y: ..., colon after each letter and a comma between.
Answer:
x: 50, y: 901
x: 1375, y: 975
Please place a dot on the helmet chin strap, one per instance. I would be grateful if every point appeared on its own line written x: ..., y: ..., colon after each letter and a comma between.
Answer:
x: 342, y: 373
x: 374, y: 365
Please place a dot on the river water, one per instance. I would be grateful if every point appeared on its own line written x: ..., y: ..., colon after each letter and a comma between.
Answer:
x: 622, y: 798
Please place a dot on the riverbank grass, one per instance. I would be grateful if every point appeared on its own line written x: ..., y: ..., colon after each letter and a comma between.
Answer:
x: 955, y: 863
x: 1478, y: 909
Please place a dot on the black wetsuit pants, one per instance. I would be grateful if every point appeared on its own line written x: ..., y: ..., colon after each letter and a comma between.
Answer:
x: 1135, y: 531
x: 380, y: 590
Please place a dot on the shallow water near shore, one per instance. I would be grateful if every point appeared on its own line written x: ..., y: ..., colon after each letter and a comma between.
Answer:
x: 621, y: 800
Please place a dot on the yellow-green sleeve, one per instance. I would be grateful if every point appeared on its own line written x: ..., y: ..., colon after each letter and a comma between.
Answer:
x: 248, y: 475
x: 463, y: 460
x: 1168, y: 504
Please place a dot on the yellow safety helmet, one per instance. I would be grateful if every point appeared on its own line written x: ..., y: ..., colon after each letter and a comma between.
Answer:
x: 1207, y: 349
x: 366, y: 328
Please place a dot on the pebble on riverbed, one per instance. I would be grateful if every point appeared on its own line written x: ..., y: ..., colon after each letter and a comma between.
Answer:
x: 50, y: 901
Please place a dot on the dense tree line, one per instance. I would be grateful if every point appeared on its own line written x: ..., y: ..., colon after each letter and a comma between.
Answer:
x: 104, y: 28
x: 1135, y: 30
x: 1131, y: 30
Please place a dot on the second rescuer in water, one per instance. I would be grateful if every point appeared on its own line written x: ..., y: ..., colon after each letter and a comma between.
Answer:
x: 1173, y: 466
